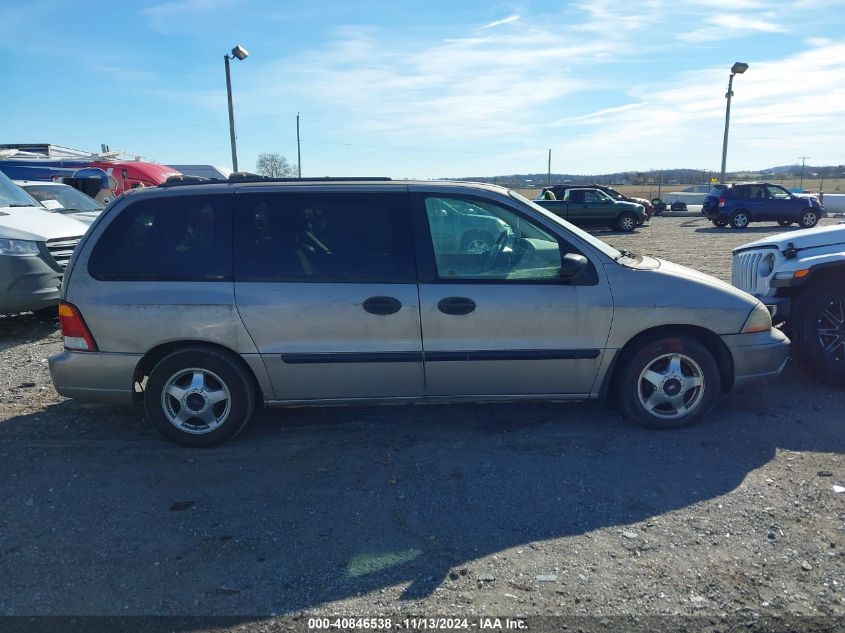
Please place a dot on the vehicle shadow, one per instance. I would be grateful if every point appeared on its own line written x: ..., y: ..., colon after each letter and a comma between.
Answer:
x: 311, y: 506
x: 26, y: 327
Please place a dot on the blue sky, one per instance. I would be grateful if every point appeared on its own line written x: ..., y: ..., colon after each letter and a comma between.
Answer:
x: 431, y: 89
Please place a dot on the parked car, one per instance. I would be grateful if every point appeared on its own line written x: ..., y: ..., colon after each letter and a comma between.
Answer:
x: 560, y: 191
x: 204, y: 299
x: 740, y: 204
x: 593, y: 207
x: 799, y: 276
x: 64, y: 199
x: 464, y: 226
x: 35, y: 246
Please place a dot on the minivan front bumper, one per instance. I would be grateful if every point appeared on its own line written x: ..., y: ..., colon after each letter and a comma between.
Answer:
x: 99, y: 376
x: 757, y: 357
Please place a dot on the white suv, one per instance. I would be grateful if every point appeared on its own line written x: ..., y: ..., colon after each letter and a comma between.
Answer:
x: 800, y: 277
x: 35, y: 247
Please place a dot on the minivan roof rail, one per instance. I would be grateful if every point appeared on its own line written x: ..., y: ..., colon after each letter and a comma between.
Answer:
x: 243, y: 176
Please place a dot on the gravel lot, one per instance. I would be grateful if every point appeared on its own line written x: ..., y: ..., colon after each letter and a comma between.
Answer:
x: 505, y: 509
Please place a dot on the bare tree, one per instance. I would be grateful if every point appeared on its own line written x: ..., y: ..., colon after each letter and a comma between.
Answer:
x: 274, y: 165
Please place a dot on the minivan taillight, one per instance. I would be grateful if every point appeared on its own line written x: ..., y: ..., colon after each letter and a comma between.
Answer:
x: 76, y: 335
x: 722, y: 202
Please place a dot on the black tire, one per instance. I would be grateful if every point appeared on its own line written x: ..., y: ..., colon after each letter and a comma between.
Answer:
x: 817, y: 310
x: 626, y: 222
x: 218, y: 367
x: 740, y: 219
x: 655, y: 202
x: 785, y: 222
x: 633, y: 392
x: 472, y: 238
x: 808, y: 218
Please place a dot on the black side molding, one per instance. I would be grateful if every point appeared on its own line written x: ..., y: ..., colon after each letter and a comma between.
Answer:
x: 353, y: 357
x: 435, y: 357
x: 513, y: 354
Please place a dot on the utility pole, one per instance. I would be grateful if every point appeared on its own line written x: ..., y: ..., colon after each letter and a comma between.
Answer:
x: 298, y: 152
x: 803, y: 159
x: 231, y: 115
x: 550, y: 167
x: 737, y: 68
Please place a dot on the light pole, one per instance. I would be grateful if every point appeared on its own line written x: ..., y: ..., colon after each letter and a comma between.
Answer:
x: 737, y: 69
x: 239, y: 52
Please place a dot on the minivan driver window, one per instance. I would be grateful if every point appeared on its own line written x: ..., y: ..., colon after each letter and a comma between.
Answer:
x: 476, y: 239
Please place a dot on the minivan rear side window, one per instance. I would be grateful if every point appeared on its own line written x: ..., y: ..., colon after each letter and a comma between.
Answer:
x: 178, y: 238
x: 323, y: 237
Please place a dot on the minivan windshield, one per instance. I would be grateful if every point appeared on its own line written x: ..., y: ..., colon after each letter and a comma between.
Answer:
x: 13, y: 196
x: 596, y: 243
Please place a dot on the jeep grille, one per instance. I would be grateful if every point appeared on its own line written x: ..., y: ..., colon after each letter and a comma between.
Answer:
x: 744, y: 273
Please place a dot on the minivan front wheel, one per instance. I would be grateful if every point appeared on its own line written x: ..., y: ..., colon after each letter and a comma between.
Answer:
x: 668, y: 383
x: 199, y: 397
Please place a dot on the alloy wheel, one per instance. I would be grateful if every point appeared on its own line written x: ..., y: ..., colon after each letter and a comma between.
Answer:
x: 195, y: 400
x: 671, y: 386
x: 830, y: 330
x: 477, y: 247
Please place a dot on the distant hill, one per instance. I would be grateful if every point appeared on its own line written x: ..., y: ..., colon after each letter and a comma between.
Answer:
x: 666, y: 176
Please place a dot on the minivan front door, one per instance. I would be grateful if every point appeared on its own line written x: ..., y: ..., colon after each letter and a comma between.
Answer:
x: 504, y: 322
x: 326, y: 286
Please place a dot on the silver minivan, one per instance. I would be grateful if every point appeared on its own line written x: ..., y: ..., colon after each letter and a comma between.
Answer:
x: 205, y: 299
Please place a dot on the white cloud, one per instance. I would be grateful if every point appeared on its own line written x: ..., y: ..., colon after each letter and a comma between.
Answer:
x: 781, y: 108
x: 727, y: 26
x: 507, y: 20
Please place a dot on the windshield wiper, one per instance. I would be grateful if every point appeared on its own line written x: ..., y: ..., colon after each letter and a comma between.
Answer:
x: 17, y: 204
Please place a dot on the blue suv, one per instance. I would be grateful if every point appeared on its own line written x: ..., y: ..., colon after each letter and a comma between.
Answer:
x: 743, y: 203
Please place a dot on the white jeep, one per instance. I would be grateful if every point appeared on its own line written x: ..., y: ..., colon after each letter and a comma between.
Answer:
x: 800, y: 277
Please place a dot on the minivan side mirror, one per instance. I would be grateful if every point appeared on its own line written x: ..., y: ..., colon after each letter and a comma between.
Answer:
x: 572, y: 266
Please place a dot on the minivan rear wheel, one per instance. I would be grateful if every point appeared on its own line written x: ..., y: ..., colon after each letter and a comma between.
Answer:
x: 199, y: 397
x: 668, y: 383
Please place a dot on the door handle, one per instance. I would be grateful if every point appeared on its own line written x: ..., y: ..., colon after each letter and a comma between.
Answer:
x: 456, y: 305
x: 382, y: 305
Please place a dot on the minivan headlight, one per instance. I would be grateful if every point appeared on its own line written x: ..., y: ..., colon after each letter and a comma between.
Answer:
x: 758, y: 321
x: 18, y: 247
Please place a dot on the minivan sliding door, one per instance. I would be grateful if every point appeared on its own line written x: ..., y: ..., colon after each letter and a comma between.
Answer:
x: 326, y: 286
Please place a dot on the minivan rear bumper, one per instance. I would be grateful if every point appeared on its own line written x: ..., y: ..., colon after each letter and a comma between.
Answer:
x: 100, y: 376
x: 757, y: 357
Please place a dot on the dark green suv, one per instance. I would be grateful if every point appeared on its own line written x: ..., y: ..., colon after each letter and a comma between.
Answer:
x: 591, y: 207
